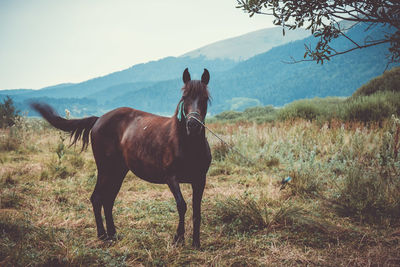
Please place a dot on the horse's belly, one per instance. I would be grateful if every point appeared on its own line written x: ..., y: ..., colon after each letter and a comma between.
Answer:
x: 148, y: 174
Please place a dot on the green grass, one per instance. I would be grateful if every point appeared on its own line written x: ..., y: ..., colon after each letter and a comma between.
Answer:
x: 341, y: 207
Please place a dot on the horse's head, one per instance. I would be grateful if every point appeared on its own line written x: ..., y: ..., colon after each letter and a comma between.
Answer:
x: 193, y: 106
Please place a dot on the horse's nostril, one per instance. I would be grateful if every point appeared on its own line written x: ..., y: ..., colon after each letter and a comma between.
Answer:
x: 192, y: 124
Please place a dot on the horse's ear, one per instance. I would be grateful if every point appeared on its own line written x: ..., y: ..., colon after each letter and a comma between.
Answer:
x: 186, y: 76
x: 205, y: 78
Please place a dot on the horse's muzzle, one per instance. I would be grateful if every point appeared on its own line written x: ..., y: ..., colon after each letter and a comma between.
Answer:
x: 193, y: 127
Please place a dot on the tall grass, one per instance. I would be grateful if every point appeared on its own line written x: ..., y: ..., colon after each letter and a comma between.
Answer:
x: 340, y: 208
x: 357, y: 167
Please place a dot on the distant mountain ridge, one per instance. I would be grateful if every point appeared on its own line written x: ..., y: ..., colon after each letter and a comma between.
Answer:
x: 260, y: 80
x: 248, y: 45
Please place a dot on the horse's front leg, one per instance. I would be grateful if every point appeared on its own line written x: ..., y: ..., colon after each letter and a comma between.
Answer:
x: 198, y: 188
x: 181, y: 205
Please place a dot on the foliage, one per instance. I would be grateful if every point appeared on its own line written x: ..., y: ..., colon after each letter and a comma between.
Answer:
x: 8, y: 113
x: 311, y: 109
x: 388, y: 81
x: 370, y: 108
x: 228, y: 115
x: 257, y: 114
x: 323, y: 19
x: 376, y: 107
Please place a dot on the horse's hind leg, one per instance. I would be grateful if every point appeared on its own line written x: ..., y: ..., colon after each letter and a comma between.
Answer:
x: 109, y: 198
x: 111, y: 181
x: 111, y: 172
x: 97, y: 204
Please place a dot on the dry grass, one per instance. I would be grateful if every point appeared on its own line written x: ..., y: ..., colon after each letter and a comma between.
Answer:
x: 46, y: 216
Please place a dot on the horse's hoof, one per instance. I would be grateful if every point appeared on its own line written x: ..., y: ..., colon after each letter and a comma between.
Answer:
x: 102, y: 237
x: 111, y: 237
x: 179, y: 240
x: 196, y: 245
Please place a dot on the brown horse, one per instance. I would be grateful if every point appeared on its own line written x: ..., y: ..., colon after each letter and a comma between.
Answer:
x: 157, y: 149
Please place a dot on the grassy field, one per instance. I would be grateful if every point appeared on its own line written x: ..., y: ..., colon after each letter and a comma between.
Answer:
x: 342, y: 206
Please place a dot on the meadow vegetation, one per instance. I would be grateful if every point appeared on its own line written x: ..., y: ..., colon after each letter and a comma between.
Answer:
x: 340, y: 208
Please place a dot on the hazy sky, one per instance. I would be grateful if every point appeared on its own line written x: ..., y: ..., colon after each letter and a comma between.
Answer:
x: 47, y: 42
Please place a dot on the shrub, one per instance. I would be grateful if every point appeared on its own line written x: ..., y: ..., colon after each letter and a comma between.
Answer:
x: 8, y: 113
x: 11, y: 139
x: 258, y: 111
x: 389, y: 81
x: 220, y: 151
x: 367, y: 197
x: 240, y: 214
x: 311, y: 109
x: 299, y: 109
x: 376, y: 107
x: 228, y: 115
x: 371, y: 192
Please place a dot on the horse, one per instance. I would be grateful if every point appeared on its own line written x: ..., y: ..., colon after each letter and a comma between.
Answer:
x: 156, y: 149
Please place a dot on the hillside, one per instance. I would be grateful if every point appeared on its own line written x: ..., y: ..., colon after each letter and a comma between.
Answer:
x: 163, y: 69
x: 260, y: 80
x: 387, y: 82
x: 266, y: 79
x: 245, y: 46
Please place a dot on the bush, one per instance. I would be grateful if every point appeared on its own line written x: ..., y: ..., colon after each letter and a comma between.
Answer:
x: 256, y: 114
x: 376, y: 107
x: 220, y: 151
x: 240, y: 214
x: 389, y: 81
x: 11, y: 139
x: 299, y: 109
x: 8, y: 113
x: 228, y: 115
x: 367, y: 197
x: 258, y: 111
x: 371, y: 190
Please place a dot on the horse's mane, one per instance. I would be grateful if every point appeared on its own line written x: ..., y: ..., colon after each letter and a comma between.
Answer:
x: 195, y: 88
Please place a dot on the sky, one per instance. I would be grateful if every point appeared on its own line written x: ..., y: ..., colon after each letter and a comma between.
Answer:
x: 48, y: 42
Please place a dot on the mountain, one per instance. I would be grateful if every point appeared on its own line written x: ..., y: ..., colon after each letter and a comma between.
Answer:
x: 163, y: 69
x: 245, y: 46
x: 260, y: 80
x: 265, y: 79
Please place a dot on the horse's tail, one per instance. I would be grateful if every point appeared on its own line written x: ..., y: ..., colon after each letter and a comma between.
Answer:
x: 79, y: 128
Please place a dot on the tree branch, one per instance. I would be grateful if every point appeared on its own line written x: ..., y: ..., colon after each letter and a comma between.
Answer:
x: 294, y: 61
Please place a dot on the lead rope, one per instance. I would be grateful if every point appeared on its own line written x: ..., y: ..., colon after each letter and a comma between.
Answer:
x: 284, y: 180
x: 181, y: 111
x: 225, y: 143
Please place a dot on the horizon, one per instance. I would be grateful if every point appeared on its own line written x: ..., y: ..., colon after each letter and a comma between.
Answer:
x: 98, y: 40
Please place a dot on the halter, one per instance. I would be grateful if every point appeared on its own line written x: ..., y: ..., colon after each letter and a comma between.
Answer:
x: 181, y: 111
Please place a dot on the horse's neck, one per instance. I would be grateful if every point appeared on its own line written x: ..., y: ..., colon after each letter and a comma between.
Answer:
x: 189, y: 142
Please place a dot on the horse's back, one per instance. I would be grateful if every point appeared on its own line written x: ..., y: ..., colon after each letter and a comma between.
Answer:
x: 115, y: 122
x: 143, y: 141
